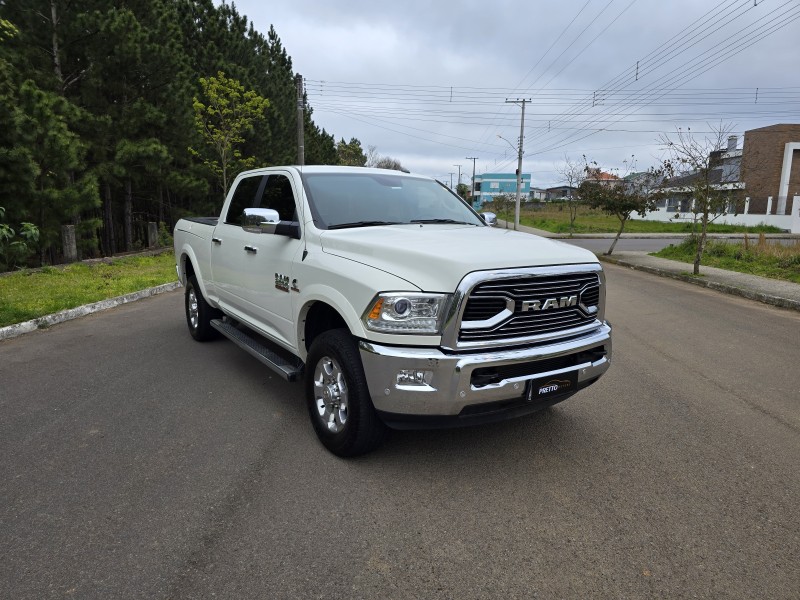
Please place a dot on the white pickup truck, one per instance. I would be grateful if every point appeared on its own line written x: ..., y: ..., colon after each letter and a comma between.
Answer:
x: 393, y: 299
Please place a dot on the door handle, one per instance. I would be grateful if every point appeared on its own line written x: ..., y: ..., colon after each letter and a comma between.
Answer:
x: 216, y: 240
x: 251, y: 249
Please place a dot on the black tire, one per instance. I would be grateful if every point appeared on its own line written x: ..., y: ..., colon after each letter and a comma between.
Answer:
x: 339, y: 403
x: 199, y: 313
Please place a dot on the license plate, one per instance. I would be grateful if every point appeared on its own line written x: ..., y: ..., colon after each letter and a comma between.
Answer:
x: 545, y: 387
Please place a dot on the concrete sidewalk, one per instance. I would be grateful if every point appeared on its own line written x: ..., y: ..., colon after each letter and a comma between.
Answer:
x: 770, y: 291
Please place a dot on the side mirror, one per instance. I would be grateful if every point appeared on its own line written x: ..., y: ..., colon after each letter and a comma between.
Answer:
x: 267, y: 220
x: 490, y: 218
x: 256, y: 219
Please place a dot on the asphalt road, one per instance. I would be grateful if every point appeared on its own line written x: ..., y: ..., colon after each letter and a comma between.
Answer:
x: 137, y: 463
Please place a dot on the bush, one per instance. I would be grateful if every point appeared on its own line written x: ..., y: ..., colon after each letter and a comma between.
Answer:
x: 164, y: 236
x: 16, y: 247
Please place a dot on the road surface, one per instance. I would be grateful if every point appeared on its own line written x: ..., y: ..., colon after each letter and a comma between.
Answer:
x: 140, y: 464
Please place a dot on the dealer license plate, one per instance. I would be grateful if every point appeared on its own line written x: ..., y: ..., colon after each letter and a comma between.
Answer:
x: 546, y: 387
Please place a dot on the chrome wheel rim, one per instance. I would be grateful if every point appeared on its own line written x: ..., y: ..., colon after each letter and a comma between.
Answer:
x: 194, y: 311
x: 330, y: 394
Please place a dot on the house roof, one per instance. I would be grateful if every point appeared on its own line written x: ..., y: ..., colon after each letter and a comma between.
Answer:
x: 602, y: 176
x: 780, y: 126
x: 715, y: 177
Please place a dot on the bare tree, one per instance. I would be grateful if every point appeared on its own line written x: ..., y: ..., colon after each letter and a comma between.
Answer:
x: 502, y: 204
x: 377, y: 161
x: 372, y: 156
x: 572, y: 174
x: 698, y: 161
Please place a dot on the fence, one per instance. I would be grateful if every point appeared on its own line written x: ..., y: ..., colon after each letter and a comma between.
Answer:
x: 788, y: 222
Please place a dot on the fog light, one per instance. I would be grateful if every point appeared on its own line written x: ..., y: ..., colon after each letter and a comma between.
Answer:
x: 414, y: 377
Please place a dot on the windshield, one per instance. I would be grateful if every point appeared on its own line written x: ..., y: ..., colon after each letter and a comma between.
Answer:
x: 340, y: 200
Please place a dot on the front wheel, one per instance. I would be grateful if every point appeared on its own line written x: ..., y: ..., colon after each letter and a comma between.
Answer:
x: 339, y: 404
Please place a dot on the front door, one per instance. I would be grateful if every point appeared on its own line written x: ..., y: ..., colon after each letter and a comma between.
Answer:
x: 253, y: 270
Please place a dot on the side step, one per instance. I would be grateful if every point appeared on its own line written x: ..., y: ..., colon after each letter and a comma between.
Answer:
x: 289, y: 370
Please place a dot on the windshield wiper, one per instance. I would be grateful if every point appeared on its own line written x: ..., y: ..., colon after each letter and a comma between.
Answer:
x: 363, y: 224
x: 435, y: 221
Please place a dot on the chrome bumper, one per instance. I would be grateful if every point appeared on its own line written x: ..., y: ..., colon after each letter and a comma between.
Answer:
x: 447, y: 388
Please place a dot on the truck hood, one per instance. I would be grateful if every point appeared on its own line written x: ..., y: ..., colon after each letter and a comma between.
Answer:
x: 436, y: 257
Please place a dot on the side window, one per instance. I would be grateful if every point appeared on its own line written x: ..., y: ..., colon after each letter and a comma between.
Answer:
x: 243, y: 197
x: 278, y: 196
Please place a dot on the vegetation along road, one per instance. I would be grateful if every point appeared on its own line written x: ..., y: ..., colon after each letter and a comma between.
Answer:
x: 140, y: 464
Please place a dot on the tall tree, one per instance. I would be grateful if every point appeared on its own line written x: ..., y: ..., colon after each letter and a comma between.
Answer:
x: 350, y: 153
x: 228, y: 113
x: 58, y: 154
x: 139, y: 76
x: 44, y: 169
x: 119, y: 79
x: 17, y: 168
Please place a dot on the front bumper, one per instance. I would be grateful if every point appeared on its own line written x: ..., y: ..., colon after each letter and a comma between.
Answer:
x: 459, y: 388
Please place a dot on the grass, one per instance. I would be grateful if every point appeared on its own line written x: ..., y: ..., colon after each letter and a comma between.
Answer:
x: 773, y: 260
x: 588, y: 220
x: 26, y: 295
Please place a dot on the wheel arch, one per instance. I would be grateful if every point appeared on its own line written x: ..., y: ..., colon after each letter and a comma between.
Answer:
x: 316, y: 318
x: 188, y: 267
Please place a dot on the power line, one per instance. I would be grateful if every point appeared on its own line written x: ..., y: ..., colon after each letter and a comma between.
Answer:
x: 648, y: 82
x: 645, y: 97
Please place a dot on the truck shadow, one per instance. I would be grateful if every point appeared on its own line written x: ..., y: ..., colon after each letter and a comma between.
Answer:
x: 554, y: 431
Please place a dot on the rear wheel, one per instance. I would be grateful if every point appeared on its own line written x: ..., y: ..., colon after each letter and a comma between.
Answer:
x: 338, y: 399
x: 199, y: 312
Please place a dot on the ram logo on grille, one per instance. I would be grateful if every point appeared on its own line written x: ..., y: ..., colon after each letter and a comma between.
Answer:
x: 550, y: 303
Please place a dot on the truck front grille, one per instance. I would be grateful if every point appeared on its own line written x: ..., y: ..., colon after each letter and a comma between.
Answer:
x: 529, y: 306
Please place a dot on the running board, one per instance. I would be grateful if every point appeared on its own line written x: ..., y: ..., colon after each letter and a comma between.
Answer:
x: 287, y: 369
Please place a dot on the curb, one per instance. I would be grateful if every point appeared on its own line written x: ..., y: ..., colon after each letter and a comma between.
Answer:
x: 714, y: 285
x: 12, y: 331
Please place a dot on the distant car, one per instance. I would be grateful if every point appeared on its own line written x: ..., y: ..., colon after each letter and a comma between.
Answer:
x: 490, y: 218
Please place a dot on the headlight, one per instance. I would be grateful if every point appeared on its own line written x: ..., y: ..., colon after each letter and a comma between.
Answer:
x: 406, y: 313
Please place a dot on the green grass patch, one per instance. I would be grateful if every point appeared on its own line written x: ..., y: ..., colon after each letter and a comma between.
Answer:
x: 773, y: 260
x: 27, y: 295
x: 588, y: 220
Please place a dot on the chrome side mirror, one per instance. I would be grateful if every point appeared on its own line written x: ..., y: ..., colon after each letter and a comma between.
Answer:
x: 260, y: 220
x: 490, y: 218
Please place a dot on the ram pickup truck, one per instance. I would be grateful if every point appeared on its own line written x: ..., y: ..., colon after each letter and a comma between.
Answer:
x: 393, y: 300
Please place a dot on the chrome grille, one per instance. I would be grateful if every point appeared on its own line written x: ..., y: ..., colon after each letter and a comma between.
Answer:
x: 489, y: 298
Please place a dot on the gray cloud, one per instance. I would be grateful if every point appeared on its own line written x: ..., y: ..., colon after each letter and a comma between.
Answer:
x: 406, y: 56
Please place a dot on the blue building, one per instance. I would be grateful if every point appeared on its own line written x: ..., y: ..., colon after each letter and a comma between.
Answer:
x: 489, y: 185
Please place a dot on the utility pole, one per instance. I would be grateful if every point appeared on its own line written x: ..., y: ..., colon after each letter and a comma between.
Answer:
x: 459, y: 173
x: 301, y: 150
x: 521, y: 101
x: 472, y: 191
x: 451, y: 180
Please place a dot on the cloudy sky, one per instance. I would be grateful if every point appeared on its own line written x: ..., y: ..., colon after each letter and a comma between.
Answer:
x: 427, y: 82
